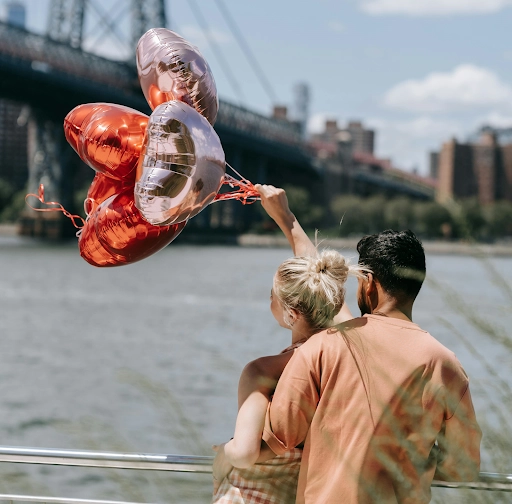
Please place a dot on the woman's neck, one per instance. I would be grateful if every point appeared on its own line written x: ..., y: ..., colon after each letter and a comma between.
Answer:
x: 301, y: 331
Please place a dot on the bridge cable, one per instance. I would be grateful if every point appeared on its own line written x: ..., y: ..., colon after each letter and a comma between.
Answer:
x: 108, y: 25
x: 247, y: 51
x: 218, y: 54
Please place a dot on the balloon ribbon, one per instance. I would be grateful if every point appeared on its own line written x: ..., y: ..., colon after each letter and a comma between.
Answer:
x: 58, y: 208
x: 246, y: 192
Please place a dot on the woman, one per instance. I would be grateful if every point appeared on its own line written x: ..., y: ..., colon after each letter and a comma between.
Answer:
x: 307, y: 293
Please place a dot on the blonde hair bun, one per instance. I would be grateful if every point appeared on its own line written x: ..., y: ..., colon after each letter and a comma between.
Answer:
x: 315, y: 285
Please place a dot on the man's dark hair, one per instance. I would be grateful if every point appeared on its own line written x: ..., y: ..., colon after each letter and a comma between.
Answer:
x: 396, y: 259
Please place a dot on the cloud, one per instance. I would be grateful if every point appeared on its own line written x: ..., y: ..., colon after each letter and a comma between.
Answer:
x: 497, y: 120
x: 466, y: 87
x: 432, y: 7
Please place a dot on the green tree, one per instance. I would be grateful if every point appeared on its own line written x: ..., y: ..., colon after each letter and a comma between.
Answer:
x: 469, y: 220
x: 431, y: 219
x: 12, y: 211
x: 346, y: 209
x: 498, y: 218
x: 399, y: 213
x: 307, y: 213
x: 6, y: 194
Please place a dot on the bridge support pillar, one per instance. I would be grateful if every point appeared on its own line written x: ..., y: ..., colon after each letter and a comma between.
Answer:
x: 48, y: 152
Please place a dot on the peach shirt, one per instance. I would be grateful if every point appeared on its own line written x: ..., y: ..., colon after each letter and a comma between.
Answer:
x: 379, y: 405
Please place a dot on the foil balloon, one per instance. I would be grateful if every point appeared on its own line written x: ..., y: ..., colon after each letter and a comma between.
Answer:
x: 107, y: 137
x: 116, y: 234
x: 181, y: 167
x: 102, y: 187
x: 170, y: 68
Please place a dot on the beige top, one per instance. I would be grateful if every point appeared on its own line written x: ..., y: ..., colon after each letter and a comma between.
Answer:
x: 369, y: 402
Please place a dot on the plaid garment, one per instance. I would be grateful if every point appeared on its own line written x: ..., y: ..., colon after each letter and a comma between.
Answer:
x: 272, y: 482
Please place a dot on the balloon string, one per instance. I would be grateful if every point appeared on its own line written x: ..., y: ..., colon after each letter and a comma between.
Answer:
x: 59, y: 208
x: 246, y: 193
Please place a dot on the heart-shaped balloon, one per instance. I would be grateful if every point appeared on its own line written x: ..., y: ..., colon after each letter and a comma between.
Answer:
x: 182, y: 165
x: 108, y: 137
x: 170, y: 68
x: 102, y: 187
x: 116, y: 234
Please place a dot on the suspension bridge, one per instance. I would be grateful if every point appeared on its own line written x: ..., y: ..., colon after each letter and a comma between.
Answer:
x: 52, y: 73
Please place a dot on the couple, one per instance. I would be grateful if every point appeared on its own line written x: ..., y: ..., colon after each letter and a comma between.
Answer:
x: 364, y: 410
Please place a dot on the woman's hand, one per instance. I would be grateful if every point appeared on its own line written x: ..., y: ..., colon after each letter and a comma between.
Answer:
x: 275, y: 202
x: 221, y: 466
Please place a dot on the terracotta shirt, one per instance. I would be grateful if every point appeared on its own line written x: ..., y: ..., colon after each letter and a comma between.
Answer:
x: 381, y: 406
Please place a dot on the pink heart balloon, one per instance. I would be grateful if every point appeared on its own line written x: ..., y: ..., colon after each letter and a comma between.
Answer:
x: 170, y: 68
x: 181, y: 167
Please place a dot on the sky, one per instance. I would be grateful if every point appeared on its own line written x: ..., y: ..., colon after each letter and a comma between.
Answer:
x: 417, y: 71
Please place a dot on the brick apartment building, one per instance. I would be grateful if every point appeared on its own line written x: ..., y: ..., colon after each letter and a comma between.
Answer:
x: 482, y: 169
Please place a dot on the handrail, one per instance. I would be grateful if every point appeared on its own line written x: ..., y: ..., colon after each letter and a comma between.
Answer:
x: 184, y: 463
x: 56, y: 500
x: 87, y: 458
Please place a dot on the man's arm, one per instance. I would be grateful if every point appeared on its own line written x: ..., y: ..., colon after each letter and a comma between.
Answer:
x: 275, y: 203
x: 459, y: 444
x: 293, y: 405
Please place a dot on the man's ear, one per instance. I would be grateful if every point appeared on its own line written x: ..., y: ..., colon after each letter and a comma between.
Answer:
x: 370, y: 284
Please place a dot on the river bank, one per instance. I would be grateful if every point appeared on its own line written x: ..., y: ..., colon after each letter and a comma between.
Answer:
x: 9, y: 232
x: 502, y: 249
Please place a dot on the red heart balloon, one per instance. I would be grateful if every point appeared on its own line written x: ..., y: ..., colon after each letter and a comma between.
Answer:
x: 116, y: 234
x: 102, y: 187
x: 108, y: 137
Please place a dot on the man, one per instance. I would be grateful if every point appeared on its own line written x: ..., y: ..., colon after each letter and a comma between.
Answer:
x: 380, y: 406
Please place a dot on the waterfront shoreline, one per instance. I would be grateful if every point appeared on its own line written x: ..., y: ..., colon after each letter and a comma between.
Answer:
x: 9, y: 234
x: 430, y: 246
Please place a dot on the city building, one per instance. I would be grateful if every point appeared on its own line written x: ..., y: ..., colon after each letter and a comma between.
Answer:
x: 481, y: 169
x: 13, y: 144
x: 360, y: 138
x: 15, y: 13
x: 13, y: 121
x: 349, y: 165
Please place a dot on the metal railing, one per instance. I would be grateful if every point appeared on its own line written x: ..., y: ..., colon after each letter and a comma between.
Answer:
x: 161, y: 462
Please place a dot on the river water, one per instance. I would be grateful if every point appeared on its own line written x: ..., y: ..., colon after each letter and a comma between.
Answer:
x: 146, y: 357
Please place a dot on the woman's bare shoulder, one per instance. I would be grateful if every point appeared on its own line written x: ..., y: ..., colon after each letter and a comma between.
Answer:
x: 270, y: 366
x: 261, y: 375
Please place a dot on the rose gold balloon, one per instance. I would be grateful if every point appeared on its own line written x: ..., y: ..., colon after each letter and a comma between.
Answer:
x: 107, y: 137
x: 116, y: 234
x: 181, y: 167
x: 170, y: 68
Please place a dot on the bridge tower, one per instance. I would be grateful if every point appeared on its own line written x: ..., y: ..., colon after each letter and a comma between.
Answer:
x: 109, y: 28
x: 81, y: 22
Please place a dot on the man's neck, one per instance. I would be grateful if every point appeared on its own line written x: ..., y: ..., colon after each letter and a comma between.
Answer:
x: 389, y: 308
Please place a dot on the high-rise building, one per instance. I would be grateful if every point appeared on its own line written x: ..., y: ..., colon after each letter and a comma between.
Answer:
x: 15, y: 13
x: 301, y: 106
x: 482, y: 169
x: 362, y: 139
